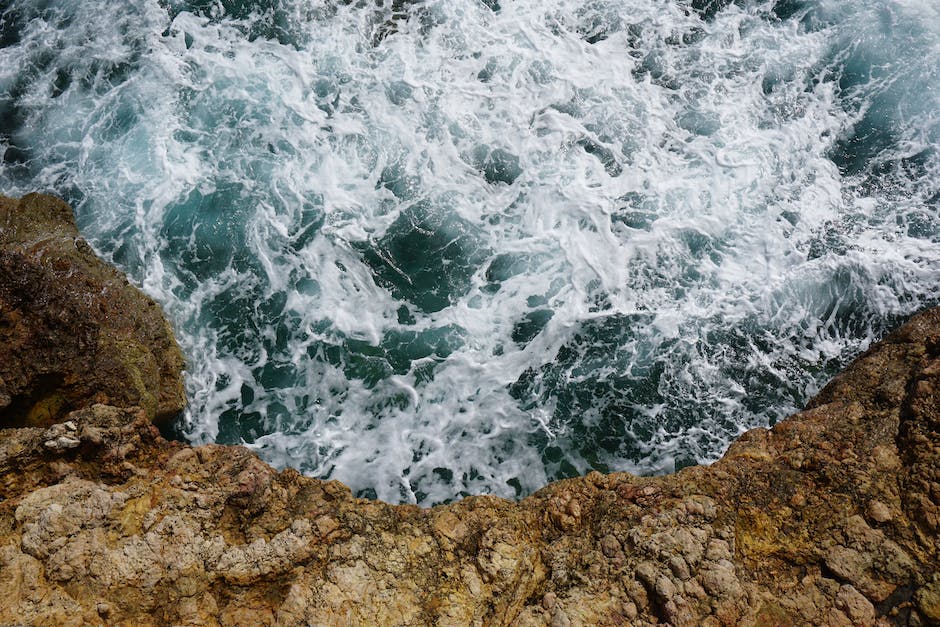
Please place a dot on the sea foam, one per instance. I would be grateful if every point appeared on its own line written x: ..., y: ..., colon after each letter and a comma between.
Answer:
x: 468, y: 247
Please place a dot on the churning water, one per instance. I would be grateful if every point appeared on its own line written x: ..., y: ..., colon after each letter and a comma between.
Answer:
x: 445, y: 247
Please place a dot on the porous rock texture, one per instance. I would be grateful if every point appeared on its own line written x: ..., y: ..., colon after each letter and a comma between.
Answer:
x: 72, y: 329
x: 829, y: 518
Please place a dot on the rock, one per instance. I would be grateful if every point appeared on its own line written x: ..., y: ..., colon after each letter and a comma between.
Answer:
x: 61, y: 436
x: 73, y: 331
x: 719, y: 580
x: 629, y: 610
x: 831, y: 517
x: 859, y: 610
x: 679, y: 568
x: 878, y: 511
x: 928, y: 599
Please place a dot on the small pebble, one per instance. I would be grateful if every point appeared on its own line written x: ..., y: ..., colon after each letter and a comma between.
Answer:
x: 878, y: 511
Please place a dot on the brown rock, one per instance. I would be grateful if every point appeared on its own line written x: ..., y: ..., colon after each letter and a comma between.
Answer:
x: 72, y: 330
x: 928, y: 599
x: 878, y: 511
x: 859, y: 610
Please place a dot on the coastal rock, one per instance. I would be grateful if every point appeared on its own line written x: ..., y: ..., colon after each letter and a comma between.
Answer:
x: 828, y: 518
x: 73, y: 331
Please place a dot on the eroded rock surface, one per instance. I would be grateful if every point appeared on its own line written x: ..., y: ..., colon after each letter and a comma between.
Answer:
x: 72, y: 329
x: 829, y: 518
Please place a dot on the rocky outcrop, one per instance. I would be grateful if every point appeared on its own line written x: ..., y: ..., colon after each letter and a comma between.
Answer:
x: 829, y: 518
x: 72, y: 330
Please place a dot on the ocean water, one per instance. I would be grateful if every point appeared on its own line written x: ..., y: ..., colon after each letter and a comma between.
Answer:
x: 446, y: 247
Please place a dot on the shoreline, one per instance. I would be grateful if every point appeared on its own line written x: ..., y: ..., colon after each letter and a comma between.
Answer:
x: 830, y: 517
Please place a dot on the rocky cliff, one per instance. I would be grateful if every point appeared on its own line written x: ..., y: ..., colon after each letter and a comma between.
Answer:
x: 72, y: 330
x: 829, y: 518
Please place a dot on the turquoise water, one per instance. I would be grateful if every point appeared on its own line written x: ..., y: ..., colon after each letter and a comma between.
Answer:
x: 454, y: 247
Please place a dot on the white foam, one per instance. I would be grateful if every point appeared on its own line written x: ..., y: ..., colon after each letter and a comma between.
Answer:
x: 675, y: 185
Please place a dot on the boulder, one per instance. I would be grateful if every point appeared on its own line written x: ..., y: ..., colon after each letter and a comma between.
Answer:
x: 73, y: 331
